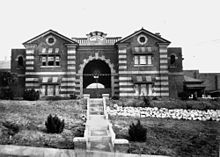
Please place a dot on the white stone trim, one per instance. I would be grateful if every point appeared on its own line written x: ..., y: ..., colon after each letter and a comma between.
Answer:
x: 67, y: 90
x: 68, y: 79
x: 31, y: 84
x: 122, y: 51
x: 29, y: 62
x: 122, y: 61
x: 163, y: 61
x: 31, y: 79
x: 126, y: 94
x: 71, y: 62
x: 29, y: 57
x: 164, y: 83
x: 163, y: 56
x: 71, y: 57
x: 71, y: 67
x: 29, y: 51
x: 72, y: 51
x: 161, y: 94
x: 162, y: 78
x: 68, y: 84
x: 161, y: 89
x: 126, y: 89
x: 122, y: 67
x: 49, y: 73
x: 29, y: 68
x: 163, y: 66
x: 122, y: 56
x: 125, y: 78
x: 126, y: 83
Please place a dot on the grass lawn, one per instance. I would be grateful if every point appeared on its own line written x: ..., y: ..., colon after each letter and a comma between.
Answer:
x: 30, y: 117
x: 172, y: 137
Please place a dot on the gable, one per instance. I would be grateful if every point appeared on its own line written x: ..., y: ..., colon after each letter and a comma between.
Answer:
x: 53, y: 33
x: 144, y: 33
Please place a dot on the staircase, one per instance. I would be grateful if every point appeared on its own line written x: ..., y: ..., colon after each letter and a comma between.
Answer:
x: 98, y: 131
x: 99, y: 135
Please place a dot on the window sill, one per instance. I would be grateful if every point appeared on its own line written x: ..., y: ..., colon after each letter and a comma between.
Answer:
x: 143, y: 65
x: 50, y: 66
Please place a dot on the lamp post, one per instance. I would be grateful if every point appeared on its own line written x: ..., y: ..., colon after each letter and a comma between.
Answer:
x: 96, y: 77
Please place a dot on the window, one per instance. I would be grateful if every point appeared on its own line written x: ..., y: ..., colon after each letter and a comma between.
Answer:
x: 50, y: 50
x: 44, y: 61
x: 142, y: 39
x: 50, y: 61
x: 20, y: 61
x: 43, y: 50
x: 143, y: 60
x: 56, y: 50
x: 172, y: 59
x: 57, y: 60
x: 49, y: 90
x: 143, y: 89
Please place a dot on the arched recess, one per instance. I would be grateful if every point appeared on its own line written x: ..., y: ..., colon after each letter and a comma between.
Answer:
x: 101, y: 58
x: 97, y: 71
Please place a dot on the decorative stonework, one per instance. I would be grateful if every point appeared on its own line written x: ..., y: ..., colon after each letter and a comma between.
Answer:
x: 96, y: 57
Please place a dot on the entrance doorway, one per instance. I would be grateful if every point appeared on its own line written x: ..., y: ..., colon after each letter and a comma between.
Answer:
x: 97, y: 78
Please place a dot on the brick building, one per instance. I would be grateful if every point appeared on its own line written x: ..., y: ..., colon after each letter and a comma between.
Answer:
x: 139, y: 64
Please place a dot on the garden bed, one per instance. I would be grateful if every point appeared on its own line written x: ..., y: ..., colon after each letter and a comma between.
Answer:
x: 29, y: 118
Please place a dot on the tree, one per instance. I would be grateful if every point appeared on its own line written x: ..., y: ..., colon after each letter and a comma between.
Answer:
x: 6, y: 81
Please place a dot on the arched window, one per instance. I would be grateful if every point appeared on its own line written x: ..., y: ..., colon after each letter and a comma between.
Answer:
x: 172, y: 59
x: 20, y: 61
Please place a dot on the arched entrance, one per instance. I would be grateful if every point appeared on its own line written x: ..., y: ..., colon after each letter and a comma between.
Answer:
x: 96, y: 78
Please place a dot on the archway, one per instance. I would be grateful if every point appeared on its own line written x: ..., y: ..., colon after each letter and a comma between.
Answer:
x: 96, y: 72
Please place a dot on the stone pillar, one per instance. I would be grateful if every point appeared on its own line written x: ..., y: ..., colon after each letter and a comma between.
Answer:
x: 122, y: 70
x: 163, y: 79
x: 68, y: 82
x: 31, y: 82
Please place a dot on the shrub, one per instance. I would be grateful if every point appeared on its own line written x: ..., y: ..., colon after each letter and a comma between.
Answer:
x: 115, y: 98
x: 6, y: 93
x: 73, y: 96
x: 12, y: 128
x: 54, y: 124
x: 146, y: 101
x: 184, y: 95
x: 31, y: 95
x: 137, y: 132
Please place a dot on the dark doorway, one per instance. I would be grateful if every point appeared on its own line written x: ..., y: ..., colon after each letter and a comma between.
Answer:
x: 97, y: 73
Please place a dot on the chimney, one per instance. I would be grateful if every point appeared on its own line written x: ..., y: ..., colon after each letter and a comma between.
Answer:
x: 158, y: 34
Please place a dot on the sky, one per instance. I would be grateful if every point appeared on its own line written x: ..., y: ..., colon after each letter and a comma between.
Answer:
x: 193, y: 25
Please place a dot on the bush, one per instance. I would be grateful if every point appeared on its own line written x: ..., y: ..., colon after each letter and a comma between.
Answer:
x: 31, y: 95
x: 184, y: 95
x: 146, y: 101
x: 6, y: 93
x: 73, y: 96
x: 12, y: 128
x: 54, y: 124
x: 137, y: 132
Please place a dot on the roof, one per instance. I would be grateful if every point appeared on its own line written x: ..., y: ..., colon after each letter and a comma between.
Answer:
x: 142, y: 30
x: 4, y: 65
x: 195, y: 86
x: 191, y: 80
x: 70, y: 41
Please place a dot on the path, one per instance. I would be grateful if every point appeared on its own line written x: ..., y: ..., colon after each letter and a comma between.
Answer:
x: 98, y: 127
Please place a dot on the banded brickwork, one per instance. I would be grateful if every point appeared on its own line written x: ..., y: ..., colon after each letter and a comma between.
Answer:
x: 162, y: 81
x: 68, y: 81
x: 31, y: 80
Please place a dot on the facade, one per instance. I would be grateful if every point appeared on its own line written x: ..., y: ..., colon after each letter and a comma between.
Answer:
x: 211, y: 81
x: 139, y: 64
